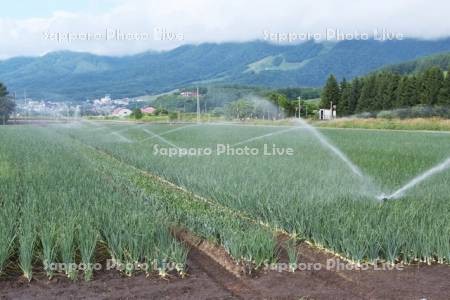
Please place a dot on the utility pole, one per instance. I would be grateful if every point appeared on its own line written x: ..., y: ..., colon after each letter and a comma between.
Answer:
x: 331, y: 110
x: 198, y: 106
x: 299, y: 105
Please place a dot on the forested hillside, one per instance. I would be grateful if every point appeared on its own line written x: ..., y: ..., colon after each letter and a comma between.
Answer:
x: 387, y: 90
x: 77, y: 76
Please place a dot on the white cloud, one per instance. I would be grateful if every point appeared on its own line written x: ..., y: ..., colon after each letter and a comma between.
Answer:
x: 221, y: 20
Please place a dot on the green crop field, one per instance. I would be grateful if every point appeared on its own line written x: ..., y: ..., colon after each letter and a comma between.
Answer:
x: 77, y: 193
x: 65, y: 204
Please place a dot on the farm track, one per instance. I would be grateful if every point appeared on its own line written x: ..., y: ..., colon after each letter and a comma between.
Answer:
x: 236, y: 287
x: 215, y: 252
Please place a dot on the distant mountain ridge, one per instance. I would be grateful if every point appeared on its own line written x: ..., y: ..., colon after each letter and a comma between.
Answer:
x: 68, y: 75
x: 441, y: 60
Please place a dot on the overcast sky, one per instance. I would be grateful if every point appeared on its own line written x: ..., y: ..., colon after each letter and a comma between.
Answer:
x: 120, y: 27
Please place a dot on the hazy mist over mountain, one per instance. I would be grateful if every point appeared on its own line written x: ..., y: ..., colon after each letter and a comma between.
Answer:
x: 65, y: 75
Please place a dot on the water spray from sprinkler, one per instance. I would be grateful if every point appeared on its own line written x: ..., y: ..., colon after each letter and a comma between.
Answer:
x: 160, y: 138
x: 331, y: 147
x: 415, y: 181
x: 263, y: 136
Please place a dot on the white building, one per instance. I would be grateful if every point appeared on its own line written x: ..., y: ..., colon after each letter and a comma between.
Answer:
x: 327, y: 114
x: 123, y: 102
x: 103, y: 101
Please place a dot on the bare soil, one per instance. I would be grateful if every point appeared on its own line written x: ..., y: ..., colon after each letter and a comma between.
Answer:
x: 209, y: 280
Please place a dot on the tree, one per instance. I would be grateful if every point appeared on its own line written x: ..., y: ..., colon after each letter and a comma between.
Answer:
x: 382, y: 87
x: 7, y: 105
x: 161, y: 111
x: 355, y: 95
x: 282, y: 104
x: 368, y: 98
x: 173, y: 116
x: 286, y: 105
x: 387, y: 90
x: 413, y: 90
x: 331, y: 93
x: 407, y: 93
x: 444, y: 93
x: 390, y: 96
x: 432, y: 82
x: 311, y: 108
x: 344, y: 103
x: 240, y: 109
x: 137, y: 114
x: 3, y: 90
x: 305, y: 93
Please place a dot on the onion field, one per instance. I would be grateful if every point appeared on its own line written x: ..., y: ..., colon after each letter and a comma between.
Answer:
x: 311, y: 193
x: 64, y: 204
x: 78, y: 193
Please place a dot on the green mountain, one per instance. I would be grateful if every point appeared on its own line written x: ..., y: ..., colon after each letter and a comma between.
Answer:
x: 441, y: 60
x: 77, y: 76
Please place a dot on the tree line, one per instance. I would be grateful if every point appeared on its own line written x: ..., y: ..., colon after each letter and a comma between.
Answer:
x: 273, y: 105
x: 386, y: 91
x: 7, y: 104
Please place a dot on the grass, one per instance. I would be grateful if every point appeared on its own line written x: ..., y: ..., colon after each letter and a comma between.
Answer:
x: 435, y: 124
x: 266, y: 64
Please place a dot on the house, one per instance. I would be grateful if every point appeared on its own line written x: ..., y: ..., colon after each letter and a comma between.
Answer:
x: 123, y: 102
x: 121, y: 112
x: 327, y: 114
x: 103, y: 101
x: 148, y: 110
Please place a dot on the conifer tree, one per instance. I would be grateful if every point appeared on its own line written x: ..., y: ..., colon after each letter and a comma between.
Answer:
x: 444, y: 93
x: 383, y: 91
x: 368, y: 98
x: 355, y: 94
x: 344, y: 103
x: 331, y: 93
x: 432, y: 81
x: 407, y: 92
x: 392, y: 91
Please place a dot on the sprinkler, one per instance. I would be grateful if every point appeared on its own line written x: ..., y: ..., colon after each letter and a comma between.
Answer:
x: 383, y: 198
